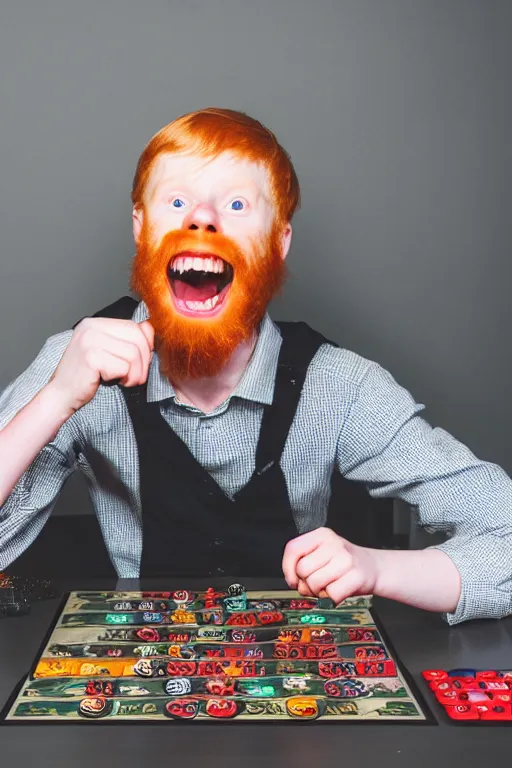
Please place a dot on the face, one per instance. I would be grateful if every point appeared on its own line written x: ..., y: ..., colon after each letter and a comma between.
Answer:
x: 210, y: 257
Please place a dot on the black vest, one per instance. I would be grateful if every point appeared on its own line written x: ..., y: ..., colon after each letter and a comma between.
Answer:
x: 190, y: 527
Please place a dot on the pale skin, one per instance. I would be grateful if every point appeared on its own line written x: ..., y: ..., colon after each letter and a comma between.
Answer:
x: 100, y: 349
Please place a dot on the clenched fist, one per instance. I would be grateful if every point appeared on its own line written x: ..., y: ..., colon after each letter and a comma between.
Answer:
x: 322, y: 562
x: 102, y: 349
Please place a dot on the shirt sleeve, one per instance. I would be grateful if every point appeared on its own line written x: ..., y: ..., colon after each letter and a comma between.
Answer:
x: 29, y: 506
x: 386, y: 444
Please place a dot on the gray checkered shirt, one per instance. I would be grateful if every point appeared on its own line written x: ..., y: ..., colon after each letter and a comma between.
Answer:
x: 351, y: 414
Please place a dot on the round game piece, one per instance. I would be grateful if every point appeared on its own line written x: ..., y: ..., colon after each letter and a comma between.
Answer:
x: 304, y: 707
x: 181, y: 596
x: 181, y: 668
x: 265, y: 605
x: 345, y: 689
x: 222, y: 708
x: 143, y: 668
x: 177, y: 686
x: 95, y: 707
x: 148, y: 634
x: 236, y: 590
x: 182, y: 709
x: 220, y: 686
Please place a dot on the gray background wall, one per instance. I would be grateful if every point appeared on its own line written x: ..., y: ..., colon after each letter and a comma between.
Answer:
x: 397, y: 114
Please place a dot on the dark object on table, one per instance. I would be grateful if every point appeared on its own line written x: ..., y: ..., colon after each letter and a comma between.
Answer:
x: 18, y: 592
x: 13, y: 603
x: 31, y: 588
x: 467, y: 694
x: 34, y: 589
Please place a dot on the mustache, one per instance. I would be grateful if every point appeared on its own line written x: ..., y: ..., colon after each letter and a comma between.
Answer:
x: 200, y: 243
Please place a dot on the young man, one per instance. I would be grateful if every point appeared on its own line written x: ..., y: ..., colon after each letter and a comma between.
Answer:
x: 209, y: 435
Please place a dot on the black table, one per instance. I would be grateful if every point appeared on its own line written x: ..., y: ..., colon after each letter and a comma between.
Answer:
x: 421, y: 640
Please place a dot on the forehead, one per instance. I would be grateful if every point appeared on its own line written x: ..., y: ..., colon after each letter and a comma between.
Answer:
x: 193, y: 170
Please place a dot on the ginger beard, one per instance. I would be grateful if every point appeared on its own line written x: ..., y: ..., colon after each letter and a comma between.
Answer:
x: 204, y: 295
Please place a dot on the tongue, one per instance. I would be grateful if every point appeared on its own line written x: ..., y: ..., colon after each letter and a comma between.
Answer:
x: 187, y: 292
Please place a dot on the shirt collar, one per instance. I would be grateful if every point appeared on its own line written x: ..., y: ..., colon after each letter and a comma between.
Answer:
x: 257, y: 382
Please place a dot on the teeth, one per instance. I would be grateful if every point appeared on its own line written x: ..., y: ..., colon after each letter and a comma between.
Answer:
x: 198, y: 263
x: 198, y: 306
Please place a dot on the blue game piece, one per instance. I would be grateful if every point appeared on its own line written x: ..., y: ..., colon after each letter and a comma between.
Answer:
x: 461, y: 672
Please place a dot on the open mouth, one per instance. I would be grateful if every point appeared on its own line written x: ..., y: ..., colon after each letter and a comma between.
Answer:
x: 199, y: 282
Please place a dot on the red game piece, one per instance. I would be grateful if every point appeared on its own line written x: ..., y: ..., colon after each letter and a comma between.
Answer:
x: 462, y: 712
x: 501, y: 698
x: 497, y: 685
x: 486, y: 674
x: 441, y: 685
x: 476, y: 697
x: 464, y: 683
x: 435, y: 674
x: 497, y: 712
x: 447, y: 697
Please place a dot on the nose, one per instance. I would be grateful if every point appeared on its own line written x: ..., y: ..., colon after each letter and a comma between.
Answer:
x: 203, y: 217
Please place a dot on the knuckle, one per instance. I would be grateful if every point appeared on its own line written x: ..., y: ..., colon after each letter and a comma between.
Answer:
x: 84, y: 324
x: 290, y: 547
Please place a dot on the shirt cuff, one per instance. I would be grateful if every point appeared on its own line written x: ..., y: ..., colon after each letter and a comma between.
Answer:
x: 485, y: 567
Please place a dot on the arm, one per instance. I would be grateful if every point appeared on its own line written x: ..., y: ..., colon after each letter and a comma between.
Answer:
x: 37, y: 435
x: 35, y: 426
x: 387, y: 445
x: 34, y: 463
x: 321, y: 561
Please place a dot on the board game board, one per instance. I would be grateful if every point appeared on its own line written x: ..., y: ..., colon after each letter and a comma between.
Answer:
x: 214, y: 656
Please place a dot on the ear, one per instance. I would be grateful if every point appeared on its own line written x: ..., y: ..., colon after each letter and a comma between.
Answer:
x: 286, y: 240
x: 137, y: 220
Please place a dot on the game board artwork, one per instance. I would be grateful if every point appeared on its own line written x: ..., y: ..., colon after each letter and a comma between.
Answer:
x: 214, y: 656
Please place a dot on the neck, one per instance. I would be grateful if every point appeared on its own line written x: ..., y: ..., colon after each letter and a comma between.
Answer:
x: 208, y: 393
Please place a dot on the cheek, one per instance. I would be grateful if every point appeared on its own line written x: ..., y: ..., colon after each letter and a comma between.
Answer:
x: 162, y: 220
x: 254, y: 226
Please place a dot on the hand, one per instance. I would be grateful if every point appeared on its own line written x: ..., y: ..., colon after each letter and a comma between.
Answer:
x: 102, y: 349
x: 322, y: 562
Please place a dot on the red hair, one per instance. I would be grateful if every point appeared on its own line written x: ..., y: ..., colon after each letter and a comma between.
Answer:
x: 209, y: 132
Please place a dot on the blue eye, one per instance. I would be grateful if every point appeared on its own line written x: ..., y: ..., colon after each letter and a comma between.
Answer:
x: 237, y: 205
x: 178, y: 203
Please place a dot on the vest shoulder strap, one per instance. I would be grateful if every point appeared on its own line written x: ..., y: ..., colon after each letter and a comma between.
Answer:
x: 122, y: 309
x: 299, y: 346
